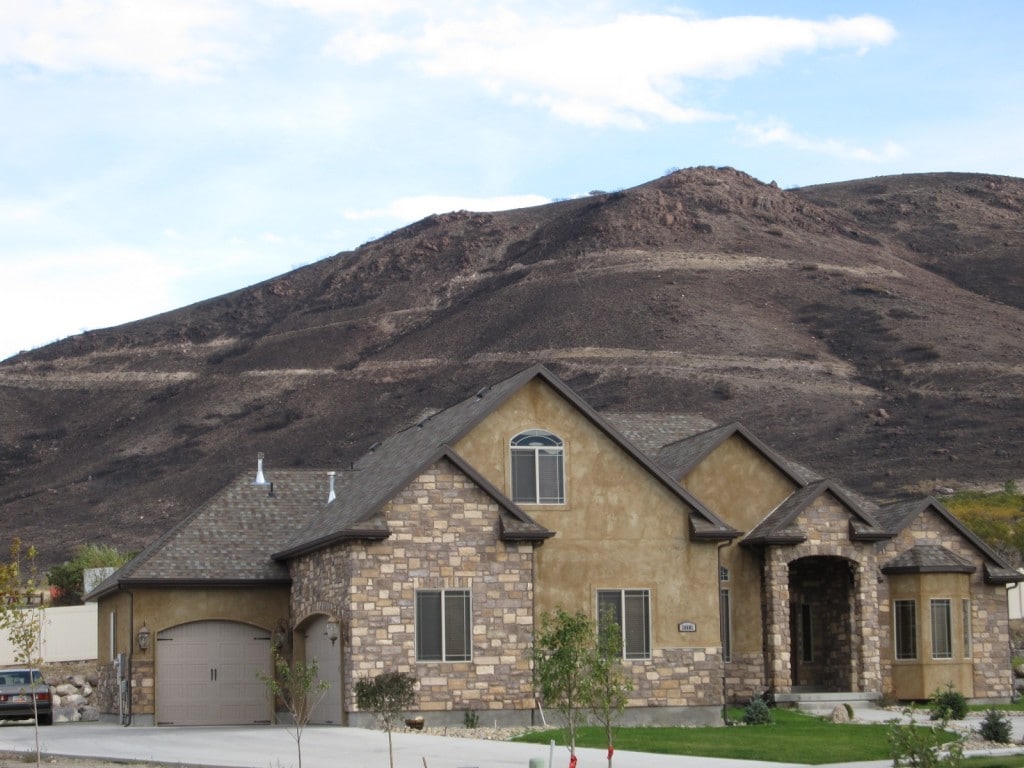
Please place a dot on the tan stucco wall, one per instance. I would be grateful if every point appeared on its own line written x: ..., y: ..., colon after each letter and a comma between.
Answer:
x: 619, y: 527
x: 741, y: 486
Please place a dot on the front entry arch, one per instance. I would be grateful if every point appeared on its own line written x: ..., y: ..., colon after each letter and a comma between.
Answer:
x: 821, y: 615
x: 326, y: 653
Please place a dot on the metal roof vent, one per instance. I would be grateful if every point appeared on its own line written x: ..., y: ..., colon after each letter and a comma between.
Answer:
x: 331, y: 495
x: 260, y: 479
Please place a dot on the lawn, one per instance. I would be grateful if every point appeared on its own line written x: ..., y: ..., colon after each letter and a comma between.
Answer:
x: 794, y: 737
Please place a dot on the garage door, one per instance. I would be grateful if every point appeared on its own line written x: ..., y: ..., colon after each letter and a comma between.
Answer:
x: 207, y: 673
x: 328, y: 661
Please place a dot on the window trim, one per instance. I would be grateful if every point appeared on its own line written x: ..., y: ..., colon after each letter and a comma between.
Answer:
x: 965, y: 618
x: 644, y: 595
x: 725, y: 622
x: 420, y: 626
x: 944, y: 630
x: 909, y: 633
x: 555, y: 449
x: 806, y: 633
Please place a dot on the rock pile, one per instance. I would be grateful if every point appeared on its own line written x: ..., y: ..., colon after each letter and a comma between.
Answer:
x: 74, y: 699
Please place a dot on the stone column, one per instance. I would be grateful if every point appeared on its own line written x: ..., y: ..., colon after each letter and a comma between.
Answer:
x: 777, y: 642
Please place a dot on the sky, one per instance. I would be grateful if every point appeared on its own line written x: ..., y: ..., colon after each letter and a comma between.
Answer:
x: 154, y: 154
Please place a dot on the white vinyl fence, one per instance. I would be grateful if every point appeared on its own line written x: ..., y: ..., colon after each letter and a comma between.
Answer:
x: 69, y: 634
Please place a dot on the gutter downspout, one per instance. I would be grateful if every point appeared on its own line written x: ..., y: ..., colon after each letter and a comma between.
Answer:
x: 126, y: 714
x: 721, y: 639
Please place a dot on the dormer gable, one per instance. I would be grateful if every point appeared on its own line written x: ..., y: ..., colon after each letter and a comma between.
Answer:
x: 785, y: 526
x: 904, y: 516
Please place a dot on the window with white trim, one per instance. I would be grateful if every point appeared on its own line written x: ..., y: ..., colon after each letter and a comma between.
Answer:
x: 113, y: 635
x: 725, y: 617
x: 538, y: 468
x: 965, y: 609
x: 631, y: 610
x: 942, y: 628
x: 905, y: 628
x: 444, y: 625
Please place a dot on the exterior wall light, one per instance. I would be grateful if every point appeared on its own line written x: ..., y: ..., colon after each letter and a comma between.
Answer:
x: 333, y: 630
x: 144, y: 638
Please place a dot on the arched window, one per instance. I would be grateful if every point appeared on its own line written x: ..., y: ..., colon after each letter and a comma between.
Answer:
x: 538, y: 468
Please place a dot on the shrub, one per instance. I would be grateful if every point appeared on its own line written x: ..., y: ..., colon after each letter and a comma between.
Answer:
x: 996, y: 727
x: 471, y: 719
x: 757, y: 712
x: 949, y: 704
x: 916, y: 746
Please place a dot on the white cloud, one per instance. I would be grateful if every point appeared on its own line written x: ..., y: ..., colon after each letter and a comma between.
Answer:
x: 780, y: 133
x: 180, y: 40
x: 408, y: 209
x: 624, y: 71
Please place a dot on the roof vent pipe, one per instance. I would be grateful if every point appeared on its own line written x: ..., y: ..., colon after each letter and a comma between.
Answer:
x: 331, y: 495
x: 260, y: 480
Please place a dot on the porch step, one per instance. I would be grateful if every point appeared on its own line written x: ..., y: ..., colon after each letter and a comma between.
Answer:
x: 825, y: 701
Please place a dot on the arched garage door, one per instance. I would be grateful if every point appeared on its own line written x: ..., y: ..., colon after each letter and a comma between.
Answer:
x: 328, y: 662
x: 207, y: 673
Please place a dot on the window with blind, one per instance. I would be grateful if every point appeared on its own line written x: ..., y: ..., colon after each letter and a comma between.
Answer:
x: 443, y: 625
x: 942, y: 629
x: 538, y: 468
x: 631, y: 610
x: 905, y: 621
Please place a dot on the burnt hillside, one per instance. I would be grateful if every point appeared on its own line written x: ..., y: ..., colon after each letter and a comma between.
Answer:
x: 870, y: 329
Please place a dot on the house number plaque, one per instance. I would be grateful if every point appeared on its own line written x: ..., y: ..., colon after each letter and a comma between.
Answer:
x: 687, y: 626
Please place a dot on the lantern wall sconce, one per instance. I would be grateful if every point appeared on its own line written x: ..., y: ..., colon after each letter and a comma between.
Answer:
x: 144, y: 638
x: 333, y: 630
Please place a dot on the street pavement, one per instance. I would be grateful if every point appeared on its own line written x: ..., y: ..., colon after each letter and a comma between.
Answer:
x: 334, y: 747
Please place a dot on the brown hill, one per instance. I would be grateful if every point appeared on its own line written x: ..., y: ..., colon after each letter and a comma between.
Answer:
x: 873, y: 330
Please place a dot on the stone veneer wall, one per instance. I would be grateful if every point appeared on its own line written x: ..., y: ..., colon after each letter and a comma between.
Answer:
x: 106, y: 689
x: 990, y: 624
x: 444, y: 534
x: 744, y: 677
x: 827, y: 536
x: 143, y: 692
x: 677, y: 677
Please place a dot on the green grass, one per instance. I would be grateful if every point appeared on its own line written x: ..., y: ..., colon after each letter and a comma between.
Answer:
x: 794, y: 737
x: 1003, y: 761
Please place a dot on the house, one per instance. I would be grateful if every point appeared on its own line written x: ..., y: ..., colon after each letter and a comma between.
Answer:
x: 731, y: 570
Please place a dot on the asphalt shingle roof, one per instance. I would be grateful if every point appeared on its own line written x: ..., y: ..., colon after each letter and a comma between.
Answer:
x: 230, y: 538
x: 379, y: 474
x: 780, y: 525
x: 928, y: 558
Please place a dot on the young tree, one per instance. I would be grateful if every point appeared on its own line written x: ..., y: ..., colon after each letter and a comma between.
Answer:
x: 387, y: 696
x: 20, y: 619
x: 563, y: 664
x: 610, y: 687
x: 298, y: 686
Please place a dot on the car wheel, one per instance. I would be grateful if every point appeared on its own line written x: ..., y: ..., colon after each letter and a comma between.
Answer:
x: 46, y: 719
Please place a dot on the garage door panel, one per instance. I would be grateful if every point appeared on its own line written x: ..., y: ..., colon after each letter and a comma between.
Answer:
x: 208, y: 673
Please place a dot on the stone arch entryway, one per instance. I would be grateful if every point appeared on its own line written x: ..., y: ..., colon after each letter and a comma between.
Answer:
x: 822, y: 611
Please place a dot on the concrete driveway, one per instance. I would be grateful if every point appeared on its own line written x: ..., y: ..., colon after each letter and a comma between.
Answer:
x: 322, y: 747
x: 334, y: 747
